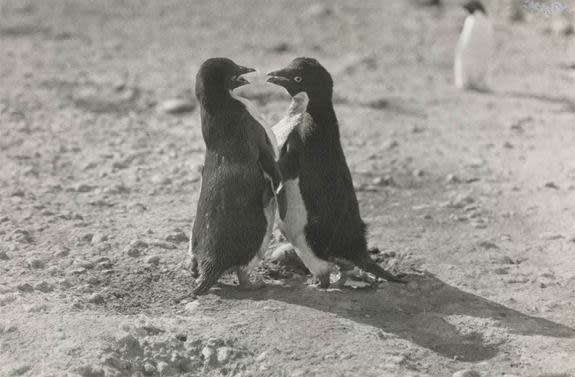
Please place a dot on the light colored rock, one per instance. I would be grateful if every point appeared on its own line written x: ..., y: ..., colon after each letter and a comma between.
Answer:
x: 467, y: 373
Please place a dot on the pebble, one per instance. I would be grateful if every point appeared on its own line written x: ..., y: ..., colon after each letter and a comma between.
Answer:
x: 386, y: 180
x: 25, y: 287
x: 96, y: 298
x: 4, y: 255
x: 64, y: 252
x: 44, y: 287
x: 552, y: 185
x: 163, y: 244
x: 19, y: 370
x: 319, y: 10
x: 149, y: 368
x: 461, y: 201
x: 129, y: 346
x: 36, y: 308
x: 90, y: 371
x: 209, y: 355
x: 488, y: 245
x: 467, y: 373
x: 501, y: 271
x: 176, y: 106
x: 178, y: 237
x: 7, y: 298
x: 84, y: 188
x: 153, y: 260
x: 36, y: 263
x: 262, y: 356
x: 98, y: 238
x: 452, y: 178
x: 192, y: 306
x: 550, y: 236
x: 224, y: 354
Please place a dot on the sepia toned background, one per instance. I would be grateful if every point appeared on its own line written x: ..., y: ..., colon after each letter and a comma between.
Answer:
x: 471, y: 193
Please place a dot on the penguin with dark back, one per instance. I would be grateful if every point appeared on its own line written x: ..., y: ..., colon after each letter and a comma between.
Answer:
x: 322, y: 220
x: 236, y: 207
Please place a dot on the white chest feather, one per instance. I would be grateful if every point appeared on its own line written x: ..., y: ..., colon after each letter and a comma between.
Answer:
x: 295, y: 118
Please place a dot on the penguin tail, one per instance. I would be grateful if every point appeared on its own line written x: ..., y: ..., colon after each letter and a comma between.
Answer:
x: 369, y: 265
x: 206, y: 280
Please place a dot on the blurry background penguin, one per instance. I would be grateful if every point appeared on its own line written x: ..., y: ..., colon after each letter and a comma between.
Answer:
x: 475, y: 48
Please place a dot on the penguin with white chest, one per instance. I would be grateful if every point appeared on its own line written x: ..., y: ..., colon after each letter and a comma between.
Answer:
x: 475, y: 48
x: 322, y: 219
x: 236, y: 208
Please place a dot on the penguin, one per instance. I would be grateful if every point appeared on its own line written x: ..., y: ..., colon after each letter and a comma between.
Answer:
x: 475, y: 48
x: 236, y: 208
x: 322, y: 220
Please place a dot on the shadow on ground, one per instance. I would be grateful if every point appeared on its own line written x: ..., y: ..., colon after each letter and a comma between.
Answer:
x: 419, y: 316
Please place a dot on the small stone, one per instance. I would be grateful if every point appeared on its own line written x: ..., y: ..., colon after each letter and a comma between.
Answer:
x: 209, y: 355
x: 178, y: 237
x: 91, y: 371
x: 19, y: 370
x: 224, y: 354
x: 386, y: 180
x: 392, y: 144
x: 44, y: 287
x: 501, y: 271
x: 176, y: 106
x: 87, y: 237
x: 37, y: 308
x: 129, y: 346
x: 461, y: 201
x: 83, y: 188
x: 36, y: 263
x: 280, y: 47
x: 192, y: 306
x: 4, y: 255
x: 452, y: 178
x: 153, y: 260
x: 163, y: 244
x: 64, y: 252
x: 418, y: 173
x: 466, y: 373
x: 96, y: 298
x: 488, y: 245
x: 262, y: 356
x: 25, y: 287
x: 319, y: 10
x: 552, y: 185
x: 150, y: 369
x: 508, y: 145
x: 550, y: 236
x: 98, y: 238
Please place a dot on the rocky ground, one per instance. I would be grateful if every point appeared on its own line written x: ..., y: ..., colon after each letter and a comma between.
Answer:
x: 473, y: 194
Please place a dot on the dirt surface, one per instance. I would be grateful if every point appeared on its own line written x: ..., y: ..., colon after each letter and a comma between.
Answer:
x: 473, y: 194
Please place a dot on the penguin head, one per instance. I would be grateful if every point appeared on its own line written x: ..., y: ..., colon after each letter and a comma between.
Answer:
x: 304, y: 75
x: 473, y: 6
x: 217, y: 76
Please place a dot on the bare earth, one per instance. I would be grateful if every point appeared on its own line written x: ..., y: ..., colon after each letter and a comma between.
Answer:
x: 472, y: 194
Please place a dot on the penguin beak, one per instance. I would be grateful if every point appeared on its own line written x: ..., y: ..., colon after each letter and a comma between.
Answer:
x: 280, y: 77
x: 238, y: 80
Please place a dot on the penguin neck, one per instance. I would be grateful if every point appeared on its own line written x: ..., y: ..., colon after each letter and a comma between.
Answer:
x: 220, y: 121
x: 215, y: 101
x: 323, y: 116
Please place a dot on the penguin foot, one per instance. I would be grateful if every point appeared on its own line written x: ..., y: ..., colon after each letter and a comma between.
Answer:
x: 246, y: 284
x: 321, y: 281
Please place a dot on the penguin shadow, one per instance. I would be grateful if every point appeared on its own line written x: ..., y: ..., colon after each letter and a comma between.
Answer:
x: 426, y: 312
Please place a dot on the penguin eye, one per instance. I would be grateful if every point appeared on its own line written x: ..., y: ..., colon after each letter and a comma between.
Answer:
x: 297, y: 79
